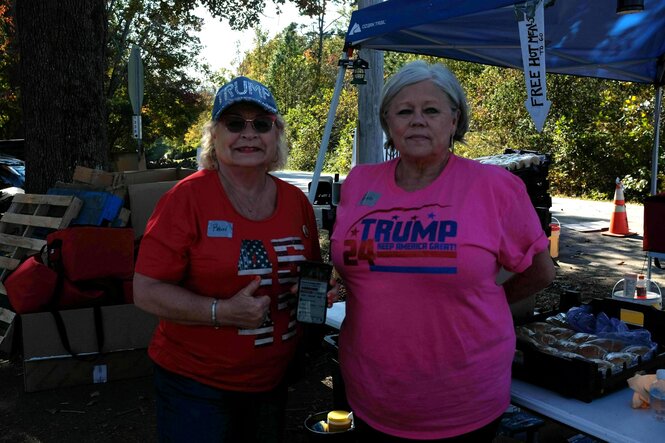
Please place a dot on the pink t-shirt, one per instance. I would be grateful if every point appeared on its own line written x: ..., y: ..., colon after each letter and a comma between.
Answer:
x: 195, y: 238
x: 428, y: 340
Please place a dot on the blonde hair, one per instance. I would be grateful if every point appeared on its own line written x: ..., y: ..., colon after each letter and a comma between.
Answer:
x: 208, y: 159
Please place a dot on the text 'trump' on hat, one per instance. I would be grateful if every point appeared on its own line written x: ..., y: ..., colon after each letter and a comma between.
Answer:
x: 243, y: 89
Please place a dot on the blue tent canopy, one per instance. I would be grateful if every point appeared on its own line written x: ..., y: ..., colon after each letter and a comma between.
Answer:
x: 585, y: 38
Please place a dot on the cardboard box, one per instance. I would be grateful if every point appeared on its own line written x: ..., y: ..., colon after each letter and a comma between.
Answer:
x: 155, y: 175
x: 96, y: 177
x: 6, y: 330
x: 142, y: 201
x: 46, y: 364
x: 145, y: 188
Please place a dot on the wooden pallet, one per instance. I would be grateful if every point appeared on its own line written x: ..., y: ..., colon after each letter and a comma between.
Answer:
x: 6, y: 330
x: 23, y: 228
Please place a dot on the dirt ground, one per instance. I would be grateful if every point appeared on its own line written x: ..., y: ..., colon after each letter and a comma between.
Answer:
x: 124, y: 410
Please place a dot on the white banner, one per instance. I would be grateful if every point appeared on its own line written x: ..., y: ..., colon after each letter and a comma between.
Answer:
x: 137, y: 127
x: 531, y: 24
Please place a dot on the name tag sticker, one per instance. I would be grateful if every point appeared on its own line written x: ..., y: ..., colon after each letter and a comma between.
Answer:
x: 370, y: 199
x: 220, y: 228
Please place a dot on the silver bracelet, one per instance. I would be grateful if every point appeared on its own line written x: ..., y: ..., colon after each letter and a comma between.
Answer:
x: 213, y: 313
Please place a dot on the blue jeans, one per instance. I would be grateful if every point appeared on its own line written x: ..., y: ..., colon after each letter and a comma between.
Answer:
x: 189, y: 411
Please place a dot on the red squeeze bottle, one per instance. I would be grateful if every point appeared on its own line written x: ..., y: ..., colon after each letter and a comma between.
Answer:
x: 641, y: 287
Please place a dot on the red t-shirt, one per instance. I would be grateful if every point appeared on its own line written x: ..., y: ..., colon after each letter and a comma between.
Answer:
x: 196, y: 239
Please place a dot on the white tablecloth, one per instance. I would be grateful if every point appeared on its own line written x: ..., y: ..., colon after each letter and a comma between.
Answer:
x: 609, y: 418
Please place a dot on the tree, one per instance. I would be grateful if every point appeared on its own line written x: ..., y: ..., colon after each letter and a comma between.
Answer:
x: 63, y: 66
x: 596, y: 130
x: 303, y: 86
x: 10, y: 111
x: 241, y: 14
x: 62, y: 89
x: 169, y: 47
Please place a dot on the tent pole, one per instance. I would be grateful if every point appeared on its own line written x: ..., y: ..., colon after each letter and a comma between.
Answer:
x: 654, y: 153
x: 328, y: 129
x: 656, y: 139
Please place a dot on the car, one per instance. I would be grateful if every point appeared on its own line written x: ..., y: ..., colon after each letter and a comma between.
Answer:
x: 12, y: 172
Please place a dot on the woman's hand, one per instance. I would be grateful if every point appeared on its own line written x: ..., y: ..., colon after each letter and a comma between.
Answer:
x: 332, y: 295
x: 180, y: 305
x: 244, y: 310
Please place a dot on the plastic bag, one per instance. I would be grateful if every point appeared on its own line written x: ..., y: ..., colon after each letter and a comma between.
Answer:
x: 582, y: 319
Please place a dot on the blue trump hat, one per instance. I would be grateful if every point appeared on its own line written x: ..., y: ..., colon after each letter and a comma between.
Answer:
x: 243, y: 89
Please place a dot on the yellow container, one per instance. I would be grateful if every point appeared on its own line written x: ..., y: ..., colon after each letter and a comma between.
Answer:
x: 554, y: 238
x: 338, y: 421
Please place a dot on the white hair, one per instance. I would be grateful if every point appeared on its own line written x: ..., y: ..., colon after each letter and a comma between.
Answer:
x: 442, y: 77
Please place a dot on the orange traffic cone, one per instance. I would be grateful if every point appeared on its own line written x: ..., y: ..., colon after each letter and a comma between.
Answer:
x: 619, y: 220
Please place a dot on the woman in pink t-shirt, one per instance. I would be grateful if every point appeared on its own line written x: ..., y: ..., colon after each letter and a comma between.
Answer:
x: 428, y: 339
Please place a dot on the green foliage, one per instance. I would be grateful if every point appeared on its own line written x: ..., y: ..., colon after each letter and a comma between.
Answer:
x: 166, y: 153
x: 286, y: 63
x: 597, y: 130
x: 242, y: 14
x: 166, y: 35
x: 306, y: 128
x: 176, y: 104
x: 289, y: 71
x: 303, y: 84
x: 10, y: 112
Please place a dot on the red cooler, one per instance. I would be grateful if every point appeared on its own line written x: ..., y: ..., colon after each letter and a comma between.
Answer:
x: 654, y: 223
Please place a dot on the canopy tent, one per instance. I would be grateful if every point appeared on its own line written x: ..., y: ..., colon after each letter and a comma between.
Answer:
x: 582, y: 37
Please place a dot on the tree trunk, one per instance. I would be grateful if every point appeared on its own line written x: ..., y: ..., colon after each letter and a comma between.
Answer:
x: 62, y: 62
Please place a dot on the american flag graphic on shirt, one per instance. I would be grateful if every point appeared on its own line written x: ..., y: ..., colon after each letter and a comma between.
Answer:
x: 289, y: 254
x: 254, y: 260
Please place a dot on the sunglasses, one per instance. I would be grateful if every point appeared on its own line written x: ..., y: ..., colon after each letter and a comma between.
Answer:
x: 235, y: 123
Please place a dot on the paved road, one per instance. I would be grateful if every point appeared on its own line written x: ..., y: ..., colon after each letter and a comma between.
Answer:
x: 581, y: 249
x: 298, y: 178
x: 566, y: 210
x: 571, y: 211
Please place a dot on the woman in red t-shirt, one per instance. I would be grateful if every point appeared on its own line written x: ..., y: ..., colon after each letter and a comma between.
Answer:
x: 217, y: 264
